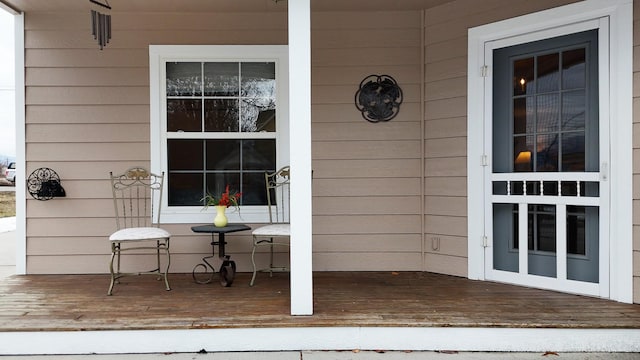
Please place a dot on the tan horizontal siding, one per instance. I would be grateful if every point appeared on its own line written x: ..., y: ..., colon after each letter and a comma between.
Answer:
x: 365, y: 186
x: 354, y: 74
x: 366, y: 182
x: 87, y: 151
x: 135, y: 76
x: 394, y: 149
x: 87, y: 95
x: 348, y: 21
x: 370, y: 242
x: 98, y: 114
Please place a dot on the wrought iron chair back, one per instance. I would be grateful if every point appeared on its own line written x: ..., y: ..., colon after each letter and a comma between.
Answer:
x: 277, y: 184
x: 137, y: 221
x: 137, y: 196
x: 278, y: 229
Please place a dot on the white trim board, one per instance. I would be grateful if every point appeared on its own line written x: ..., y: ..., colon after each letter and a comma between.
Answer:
x: 537, y: 26
x: 319, y: 338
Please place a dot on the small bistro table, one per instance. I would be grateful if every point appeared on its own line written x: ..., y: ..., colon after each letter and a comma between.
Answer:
x: 228, y: 268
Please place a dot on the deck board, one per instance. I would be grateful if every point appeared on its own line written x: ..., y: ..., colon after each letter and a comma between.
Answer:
x: 389, y: 299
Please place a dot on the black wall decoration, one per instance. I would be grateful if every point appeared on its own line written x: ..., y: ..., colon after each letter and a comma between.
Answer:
x: 379, y: 98
x: 44, y: 184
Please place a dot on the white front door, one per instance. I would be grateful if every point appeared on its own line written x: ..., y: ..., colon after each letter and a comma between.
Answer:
x: 549, y: 157
x: 547, y: 201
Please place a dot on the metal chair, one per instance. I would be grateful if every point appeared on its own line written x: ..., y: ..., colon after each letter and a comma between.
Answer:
x: 134, y: 195
x: 277, y: 186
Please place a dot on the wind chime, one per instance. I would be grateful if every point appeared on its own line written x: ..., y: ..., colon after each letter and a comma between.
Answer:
x: 101, y: 24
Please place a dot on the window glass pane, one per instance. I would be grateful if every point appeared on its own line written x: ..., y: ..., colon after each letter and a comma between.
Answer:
x: 184, y: 79
x: 255, y: 192
x: 522, y: 150
x: 185, y: 155
x: 217, y: 183
x: 221, y: 115
x: 548, y: 111
x: 573, y: 158
x: 573, y: 69
x: 573, y: 110
x: 547, y: 153
x: 523, y: 79
x: 184, y: 115
x: 576, y: 230
x: 259, y: 80
x: 549, y: 72
x: 221, y: 79
x: 223, y: 154
x: 259, y: 155
x: 185, y: 189
x: 258, y: 97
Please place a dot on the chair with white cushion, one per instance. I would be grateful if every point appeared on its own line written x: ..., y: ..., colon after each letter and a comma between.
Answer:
x: 136, y: 195
x: 278, y: 230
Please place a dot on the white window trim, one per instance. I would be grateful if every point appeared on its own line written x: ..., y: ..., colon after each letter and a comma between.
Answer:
x: 545, y: 24
x: 158, y: 56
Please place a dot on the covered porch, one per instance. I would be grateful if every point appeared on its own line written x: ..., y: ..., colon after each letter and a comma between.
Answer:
x: 353, y: 310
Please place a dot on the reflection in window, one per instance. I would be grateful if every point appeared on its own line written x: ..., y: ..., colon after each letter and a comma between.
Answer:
x: 549, y: 105
x: 217, y: 100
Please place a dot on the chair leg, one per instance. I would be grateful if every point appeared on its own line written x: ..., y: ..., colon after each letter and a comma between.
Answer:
x: 166, y: 270
x: 253, y: 262
x: 114, y: 249
x: 271, y: 257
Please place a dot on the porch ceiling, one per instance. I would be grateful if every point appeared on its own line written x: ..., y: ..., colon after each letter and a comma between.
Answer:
x: 219, y: 5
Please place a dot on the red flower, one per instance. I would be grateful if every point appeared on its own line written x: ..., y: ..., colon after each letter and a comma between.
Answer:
x: 226, y: 199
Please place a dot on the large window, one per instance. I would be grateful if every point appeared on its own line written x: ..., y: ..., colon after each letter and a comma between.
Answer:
x: 219, y: 117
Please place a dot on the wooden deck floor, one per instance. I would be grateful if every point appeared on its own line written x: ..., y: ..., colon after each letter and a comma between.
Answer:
x: 79, y: 302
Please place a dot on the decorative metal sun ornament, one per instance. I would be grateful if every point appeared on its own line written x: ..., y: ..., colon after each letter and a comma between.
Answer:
x: 379, y: 98
x: 101, y: 24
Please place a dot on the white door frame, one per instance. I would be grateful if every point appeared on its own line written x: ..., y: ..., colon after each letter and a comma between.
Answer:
x: 617, y: 77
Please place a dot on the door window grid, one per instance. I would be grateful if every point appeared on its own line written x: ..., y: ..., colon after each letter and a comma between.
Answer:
x: 548, y: 102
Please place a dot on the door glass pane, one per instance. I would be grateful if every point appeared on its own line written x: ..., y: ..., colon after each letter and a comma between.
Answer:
x: 523, y: 76
x: 583, y: 259
x: 542, y: 240
x: 573, y: 151
x: 184, y: 115
x: 547, y: 152
x: 505, y: 237
x: 184, y: 79
x: 523, y: 115
x: 576, y: 231
x: 522, y: 150
x: 573, y: 69
x: 545, y: 227
x: 548, y: 111
x: 573, y: 110
x: 221, y: 115
x: 549, y: 72
x: 221, y: 79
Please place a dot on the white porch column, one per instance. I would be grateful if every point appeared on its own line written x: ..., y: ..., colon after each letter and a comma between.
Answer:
x: 300, y: 158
